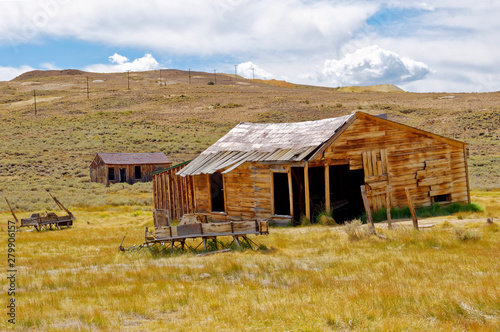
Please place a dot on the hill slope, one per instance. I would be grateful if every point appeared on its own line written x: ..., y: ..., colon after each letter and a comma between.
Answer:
x: 53, y: 149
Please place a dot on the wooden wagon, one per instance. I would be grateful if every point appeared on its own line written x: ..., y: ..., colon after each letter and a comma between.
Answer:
x: 39, y: 221
x: 176, y: 236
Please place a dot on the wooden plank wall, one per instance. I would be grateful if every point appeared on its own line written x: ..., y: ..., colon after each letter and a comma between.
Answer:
x: 99, y: 173
x: 426, y: 165
x: 174, y: 193
x: 248, y: 192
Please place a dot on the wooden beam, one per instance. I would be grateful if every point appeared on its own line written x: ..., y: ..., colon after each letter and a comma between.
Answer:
x: 388, y: 206
x: 467, y: 173
x: 290, y: 190
x: 306, y: 185
x: 327, y: 188
x: 412, y: 209
x: 11, y: 211
x: 369, y: 219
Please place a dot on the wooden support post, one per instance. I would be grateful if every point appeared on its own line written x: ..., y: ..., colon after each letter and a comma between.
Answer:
x: 306, y: 185
x: 290, y: 190
x: 388, y: 206
x: 11, y: 211
x: 412, y: 209
x: 327, y: 188
x: 369, y: 218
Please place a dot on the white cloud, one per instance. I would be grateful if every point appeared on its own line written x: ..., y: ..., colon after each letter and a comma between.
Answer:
x: 251, y: 70
x: 118, y: 59
x: 122, y: 64
x: 49, y: 66
x: 372, y: 65
x: 8, y: 73
x: 195, y: 27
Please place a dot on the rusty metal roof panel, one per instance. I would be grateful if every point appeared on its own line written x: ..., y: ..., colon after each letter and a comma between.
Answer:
x: 265, y: 142
x: 134, y: 158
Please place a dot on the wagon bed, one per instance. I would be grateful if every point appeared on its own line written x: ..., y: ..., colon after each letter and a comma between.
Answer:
x: 238, y: 230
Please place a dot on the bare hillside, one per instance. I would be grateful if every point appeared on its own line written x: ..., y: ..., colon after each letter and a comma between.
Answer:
x: 162, y: 111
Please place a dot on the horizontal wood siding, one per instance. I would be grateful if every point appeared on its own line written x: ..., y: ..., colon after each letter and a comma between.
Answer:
x: 248, y: 192
x: 426, y: 165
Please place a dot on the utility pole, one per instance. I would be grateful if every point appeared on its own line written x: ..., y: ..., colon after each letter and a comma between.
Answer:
x: 87, y: 87
x: 34, y: 99
x: 215, y: 76
x: 160, y: 77
x: 235, y: 67
x: 253, y: 73
x: 189, y: 71
x: 128, y: 79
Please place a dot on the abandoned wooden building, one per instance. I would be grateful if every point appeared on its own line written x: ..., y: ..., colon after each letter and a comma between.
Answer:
x: 126, y: 167
x: 282, y: 171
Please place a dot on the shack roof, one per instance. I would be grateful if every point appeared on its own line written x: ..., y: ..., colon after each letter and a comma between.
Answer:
x: 134, y: 158
x: 265, y: 142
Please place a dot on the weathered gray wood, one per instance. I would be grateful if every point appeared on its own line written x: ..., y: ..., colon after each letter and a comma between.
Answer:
x: 412, y: 209
x: 369, y: 218
x: 388, y: 206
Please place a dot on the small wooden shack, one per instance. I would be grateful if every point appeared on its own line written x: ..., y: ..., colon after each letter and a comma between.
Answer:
x: 126, y: 167
x: 282, y: 171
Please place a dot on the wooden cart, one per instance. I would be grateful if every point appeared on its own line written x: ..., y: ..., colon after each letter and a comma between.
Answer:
x: 38, y: 222
x: 176, y: 236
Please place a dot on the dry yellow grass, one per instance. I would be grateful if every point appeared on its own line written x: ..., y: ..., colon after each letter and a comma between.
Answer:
x: 309, y: 279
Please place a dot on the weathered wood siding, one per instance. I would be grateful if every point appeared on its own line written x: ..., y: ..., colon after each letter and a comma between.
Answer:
x: 174, y: 193
x: 402, y: 157
x: 99, y: 172
x: 247, y: 192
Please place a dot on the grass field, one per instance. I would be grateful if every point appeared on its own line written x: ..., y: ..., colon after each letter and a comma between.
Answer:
x: 308, y: 279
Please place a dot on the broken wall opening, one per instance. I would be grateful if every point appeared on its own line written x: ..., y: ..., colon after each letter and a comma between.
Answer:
x: 281, y: 194
x: 345, y: 196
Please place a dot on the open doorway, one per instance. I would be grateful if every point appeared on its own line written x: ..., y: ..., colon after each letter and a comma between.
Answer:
x: 281, y: 194
x: 123, y: 175
x: 316, y: 191
x: 345, y: 194
x: 217, y: 192
x: 299, y: 200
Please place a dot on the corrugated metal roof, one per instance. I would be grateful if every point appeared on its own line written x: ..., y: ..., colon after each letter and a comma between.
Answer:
x: 265, y: 142
x: 134, y: 158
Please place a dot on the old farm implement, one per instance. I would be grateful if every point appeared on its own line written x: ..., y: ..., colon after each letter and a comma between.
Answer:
x: 47, y: 220
x: 193, y: 234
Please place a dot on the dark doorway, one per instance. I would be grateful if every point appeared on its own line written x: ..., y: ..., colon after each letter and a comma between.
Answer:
x: 345, y: 193
x: 281, y: 194
x: 123, y: 175
x: 137, y: 171
x: 111, y: 174
x: 217, y: 192
x: 316, y: 190
x: 299, y: 200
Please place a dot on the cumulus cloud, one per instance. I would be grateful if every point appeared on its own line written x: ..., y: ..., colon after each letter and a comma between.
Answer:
x: 372, y: 65
x: 121, y: 63
x: 8, y: 73
x: 251, y: 70
x: 195, y: 27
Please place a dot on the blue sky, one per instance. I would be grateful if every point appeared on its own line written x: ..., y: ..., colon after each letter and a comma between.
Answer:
x: 431, y: 46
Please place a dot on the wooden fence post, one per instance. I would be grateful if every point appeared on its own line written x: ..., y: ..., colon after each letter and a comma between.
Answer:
x: 369, y: 218
x: 388, y: 206
x: 412, y: 209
